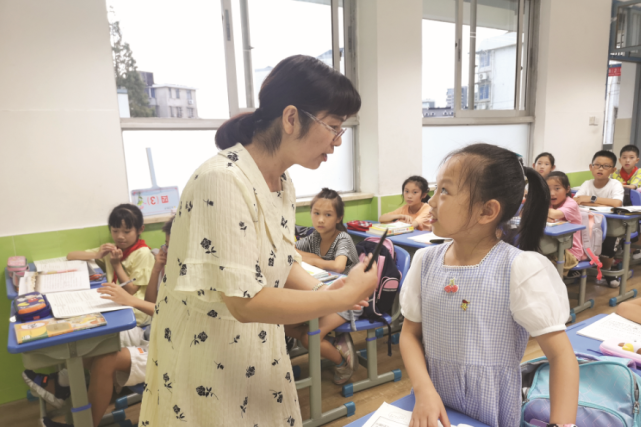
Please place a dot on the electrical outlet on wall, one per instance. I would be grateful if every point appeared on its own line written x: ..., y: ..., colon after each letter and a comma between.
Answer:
x: 593, y: 121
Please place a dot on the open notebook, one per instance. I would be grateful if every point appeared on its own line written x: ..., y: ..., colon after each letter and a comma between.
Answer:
x: 58, y: 282
x: 612, y: 326
x: 78, y: 303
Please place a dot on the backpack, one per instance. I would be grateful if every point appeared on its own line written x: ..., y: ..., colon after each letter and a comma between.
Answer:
x: 301, y: 231
x: 608, y: 392
x: 382, y: 300
x: 592, y: 238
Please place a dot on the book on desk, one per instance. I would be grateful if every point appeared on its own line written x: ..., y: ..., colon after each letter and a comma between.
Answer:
x: 393, y: 229
x: 47, y: 328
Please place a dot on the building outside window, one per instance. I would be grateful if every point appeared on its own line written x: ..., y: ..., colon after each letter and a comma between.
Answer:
x: 190, y: 112
x: 179, y: 112
x: 177, y: 93
x: 171, y: 110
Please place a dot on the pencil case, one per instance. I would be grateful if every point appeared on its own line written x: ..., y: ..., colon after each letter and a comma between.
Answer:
x: 359, y: 225
x: 618, y: 348
x: 17, y: 263
x: 31, y: 306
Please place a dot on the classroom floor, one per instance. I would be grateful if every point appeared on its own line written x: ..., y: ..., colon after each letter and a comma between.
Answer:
x: 25, y: 414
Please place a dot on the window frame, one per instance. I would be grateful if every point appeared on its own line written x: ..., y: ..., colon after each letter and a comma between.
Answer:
x: 351, y: 72
x: 491, y: 117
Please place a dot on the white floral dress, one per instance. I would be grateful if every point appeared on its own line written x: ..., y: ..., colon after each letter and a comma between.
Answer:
x: 231, y: 235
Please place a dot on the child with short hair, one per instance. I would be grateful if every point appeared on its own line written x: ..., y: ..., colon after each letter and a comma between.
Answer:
x: 124, y: 368
x: 330, y: 247
x: 128, y: 257
x: 415, y: 211
x: 544, y: 164
x: 564, y: 208
x: 629, y: 175
x: 471, y: 305
x: 603, y: 191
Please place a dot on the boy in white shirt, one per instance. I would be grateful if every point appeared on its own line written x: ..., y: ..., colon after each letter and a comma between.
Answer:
x: 603, y: 191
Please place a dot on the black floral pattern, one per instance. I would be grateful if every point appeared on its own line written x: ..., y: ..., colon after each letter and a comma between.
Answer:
x: 278, y: 193
x: 272, y: 257
x: 233, y: 156
x: 212, y: 313
x: 288, y: 377
x: 200, y: 292
x: 205, y: 391
x: 236, y: 339
x: 200, y: 338
x: 243, y: 227
x: 276, y: 283
x: 144, y: 423
x: 209, y: 203
x: 221, y: 267
x: 290, y: 259
x: 167, y: 381
x: 179, y: 415
x: 183, y: 270
x: 284, y: 176
x: 283, y: 222
x: 155, y: 362
x: 250, y: 372
x: 259, y: 273
x: 263, y: 336
x: 208, y: 247
x: 243, y: 407
x: 291, y: 421
x: 275, y: 362
x: 219, y: 365
x: 189, y: 206
x: 278, y: 395
x: 196, y: 177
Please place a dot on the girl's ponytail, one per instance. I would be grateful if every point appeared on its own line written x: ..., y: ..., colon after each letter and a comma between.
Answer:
x: 535, y: 212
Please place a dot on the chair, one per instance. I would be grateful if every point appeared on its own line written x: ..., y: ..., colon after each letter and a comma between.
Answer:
x: 583, y: 267
x: 369, y: 357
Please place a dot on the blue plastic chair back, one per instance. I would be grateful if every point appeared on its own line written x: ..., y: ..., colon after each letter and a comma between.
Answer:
x: 402, y: 263
x: 635, y: 198
x: 604, y: 227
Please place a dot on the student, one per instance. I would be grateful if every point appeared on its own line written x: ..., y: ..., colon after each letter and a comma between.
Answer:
x: 128, y: 257
x: 415, y: 211
x: 471, y: 305
x: 629, y: 175
x: 564, y: 208
x: 330, y: 247
x: 603, y: 191
x: 544, y: 164
x: 126, y: 367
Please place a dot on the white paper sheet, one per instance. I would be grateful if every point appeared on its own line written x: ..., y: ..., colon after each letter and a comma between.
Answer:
x: 70, y: 304
x: 57, y: 264
x: 613, y: 326
x: 425, y: 238
x: 391, y: 416
x: 603, y: 209
x: 27, y: 283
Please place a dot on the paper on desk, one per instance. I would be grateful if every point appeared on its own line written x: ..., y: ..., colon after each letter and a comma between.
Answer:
x: 50, y: 264
x: 78, y: 303
x: 613, y: 326
x: 391, y: 416
x: 602, y: 209
x: 426, y: 238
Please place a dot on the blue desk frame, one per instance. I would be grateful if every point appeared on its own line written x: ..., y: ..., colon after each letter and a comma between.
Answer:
x: 71, y: 348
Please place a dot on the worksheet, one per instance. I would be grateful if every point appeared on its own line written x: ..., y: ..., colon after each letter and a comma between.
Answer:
x: 613, y: 326
x: 78, y: 303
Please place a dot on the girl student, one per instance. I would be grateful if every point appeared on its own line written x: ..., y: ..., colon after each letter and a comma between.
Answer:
x: 128, y: 257
x: 564, y: 208
x: 330, y: 247
x: 544, y: 164
x: 415, y: 211
x: 470, y: 305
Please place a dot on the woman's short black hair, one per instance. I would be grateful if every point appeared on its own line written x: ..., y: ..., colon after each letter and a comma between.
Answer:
x: 302, y: 81
x: 128, y: 214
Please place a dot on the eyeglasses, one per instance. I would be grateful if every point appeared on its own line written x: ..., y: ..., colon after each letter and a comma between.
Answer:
x: 598, y: 166
x: 337, y: 134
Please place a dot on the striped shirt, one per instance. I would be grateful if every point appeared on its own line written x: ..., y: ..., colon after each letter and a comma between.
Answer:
x: 342, y: 245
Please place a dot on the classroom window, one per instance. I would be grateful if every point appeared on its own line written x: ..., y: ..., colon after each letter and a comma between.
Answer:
x: 191, y: 54
x: 257, y: 30
x: 494, y: 38
x: 177, y: 154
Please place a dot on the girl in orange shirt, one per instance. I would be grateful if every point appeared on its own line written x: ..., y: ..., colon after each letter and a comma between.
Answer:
x: 415, y: 211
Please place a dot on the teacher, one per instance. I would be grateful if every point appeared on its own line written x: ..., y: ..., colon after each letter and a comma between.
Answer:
x: 217, y: 353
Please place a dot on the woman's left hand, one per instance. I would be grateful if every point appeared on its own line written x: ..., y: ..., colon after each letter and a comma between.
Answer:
x: 117, y: 294
x: 339, y: 283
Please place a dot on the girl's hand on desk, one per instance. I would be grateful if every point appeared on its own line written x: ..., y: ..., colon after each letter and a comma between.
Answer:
x: 338, y: 284
x: 105, y: 249
x: 405, y: 218
x: 117, y: 294
x: 428, y: 410
x: 116, y: 256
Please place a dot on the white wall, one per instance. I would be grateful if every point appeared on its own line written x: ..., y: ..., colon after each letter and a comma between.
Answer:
x: 572, y: 71
x: 62, y: 157
x: 389, y: 63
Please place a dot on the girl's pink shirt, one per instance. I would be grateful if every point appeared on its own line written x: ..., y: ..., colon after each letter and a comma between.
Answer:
x: 422, y: 216
x: 572, y: 214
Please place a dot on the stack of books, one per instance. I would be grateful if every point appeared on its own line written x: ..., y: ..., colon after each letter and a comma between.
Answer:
x: 393, y: 229
x: 316, y: 272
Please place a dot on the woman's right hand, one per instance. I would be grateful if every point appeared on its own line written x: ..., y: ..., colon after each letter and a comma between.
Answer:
x: 428, y: 410
x: 360, y: 285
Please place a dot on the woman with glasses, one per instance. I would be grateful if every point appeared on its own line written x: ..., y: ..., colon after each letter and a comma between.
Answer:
x: 217, y: 352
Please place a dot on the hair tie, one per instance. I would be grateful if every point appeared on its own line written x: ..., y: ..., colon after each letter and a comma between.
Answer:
x: 522, y: 170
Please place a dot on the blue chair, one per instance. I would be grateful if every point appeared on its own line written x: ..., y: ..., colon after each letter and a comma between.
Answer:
x: 369, y: 357
x: 583, y: 267
x: 635, y: 197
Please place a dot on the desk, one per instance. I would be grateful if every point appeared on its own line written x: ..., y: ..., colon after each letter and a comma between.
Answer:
x: 622, y: 225
x: 71, y: 348
x: 407, y: 403
x: 581, y: 344
x: 11, y: 290
x: 557, y: 239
